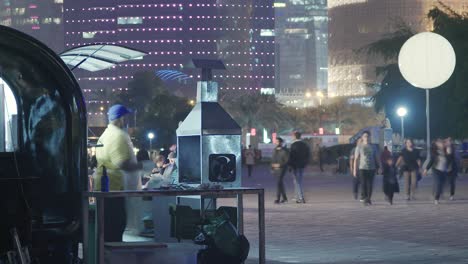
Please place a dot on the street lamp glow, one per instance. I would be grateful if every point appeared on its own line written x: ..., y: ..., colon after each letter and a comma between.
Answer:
x: 320, y: 96
x: 150, y: 137
x: 308, y: 94
x: 401, y: 112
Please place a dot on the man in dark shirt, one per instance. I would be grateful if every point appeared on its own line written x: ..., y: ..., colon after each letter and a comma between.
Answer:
x: 299, y: 156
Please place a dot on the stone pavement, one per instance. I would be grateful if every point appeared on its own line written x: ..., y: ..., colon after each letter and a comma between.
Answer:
x: 333, y: 228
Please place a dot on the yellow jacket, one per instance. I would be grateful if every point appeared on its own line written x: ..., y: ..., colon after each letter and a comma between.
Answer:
x: 117, y: 148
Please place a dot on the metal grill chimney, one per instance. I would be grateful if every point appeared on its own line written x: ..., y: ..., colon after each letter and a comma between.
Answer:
x: 209, y: 140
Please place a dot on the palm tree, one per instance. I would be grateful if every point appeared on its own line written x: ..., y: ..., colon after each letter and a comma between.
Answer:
x: 447, y: 115
x: 257, y: 110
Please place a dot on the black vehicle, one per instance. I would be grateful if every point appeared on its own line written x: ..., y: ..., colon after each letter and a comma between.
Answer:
x: 43, y: 177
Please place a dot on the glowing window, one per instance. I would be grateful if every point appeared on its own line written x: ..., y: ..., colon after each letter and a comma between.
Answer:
x: 267, y: 33
x: 88, y: 35
x: 129, y: 20
x: 269, y: 91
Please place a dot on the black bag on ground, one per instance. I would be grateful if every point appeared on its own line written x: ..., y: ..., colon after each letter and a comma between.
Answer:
x: 222, y: 241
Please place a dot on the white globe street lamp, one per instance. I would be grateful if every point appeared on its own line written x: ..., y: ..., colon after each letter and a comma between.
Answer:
x: 150, y: 137
x: 427, y: 60
x: 401, y: 112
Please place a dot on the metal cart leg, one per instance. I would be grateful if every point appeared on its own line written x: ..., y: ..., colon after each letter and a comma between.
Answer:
x: 261, y: 227
x: 100, y: 229
x: 240, y: 214
x: 85, y: 204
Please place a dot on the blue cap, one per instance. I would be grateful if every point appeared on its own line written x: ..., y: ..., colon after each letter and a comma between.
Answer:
x: 117, y: 111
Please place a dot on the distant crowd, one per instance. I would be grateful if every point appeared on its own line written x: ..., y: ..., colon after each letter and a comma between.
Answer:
x: 365, y: 161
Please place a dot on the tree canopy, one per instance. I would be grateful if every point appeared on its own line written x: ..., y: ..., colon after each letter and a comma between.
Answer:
x: 157, y: 110
x: 449, y: 103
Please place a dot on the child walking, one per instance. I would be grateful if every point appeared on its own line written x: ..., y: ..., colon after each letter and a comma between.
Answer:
x: 390, y: 182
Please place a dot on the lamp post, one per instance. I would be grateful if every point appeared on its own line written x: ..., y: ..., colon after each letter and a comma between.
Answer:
x: 427, y: 60
x: 150, y: 137
x: 401, y: 112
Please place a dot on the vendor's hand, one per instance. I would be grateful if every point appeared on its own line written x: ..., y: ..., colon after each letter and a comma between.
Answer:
x: 354, y: 173
x: 424, y: 173
x: 275, y: 165
x: 155, y: 170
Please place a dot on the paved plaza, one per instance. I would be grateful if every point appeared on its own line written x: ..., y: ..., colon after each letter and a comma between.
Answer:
x: 333, y: 228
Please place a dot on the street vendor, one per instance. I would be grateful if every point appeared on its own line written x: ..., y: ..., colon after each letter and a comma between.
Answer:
x: 117, y: 156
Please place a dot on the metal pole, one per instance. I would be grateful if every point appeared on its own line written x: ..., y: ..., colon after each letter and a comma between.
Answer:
x: 135, y: 119
x: 402, y: 131
x: 85, y: 204
x: 428, y: 129
x: 240, y: 214
x: 261, y: 231
x: 100, y: 229
x: 151, y: 144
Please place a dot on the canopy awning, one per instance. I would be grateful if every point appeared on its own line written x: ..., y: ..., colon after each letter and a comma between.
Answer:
x: 99, y: 56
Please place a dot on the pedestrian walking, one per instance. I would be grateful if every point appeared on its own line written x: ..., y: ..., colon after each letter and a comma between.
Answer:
x: 439, y: 164
x: 250, y: 160
x: 390, y: 182
x: 410, y: 163
x: 452, y: 171
x: 369, y: 162
x: 279, y: 162
x: 356, y: 181
x: 299, y: 155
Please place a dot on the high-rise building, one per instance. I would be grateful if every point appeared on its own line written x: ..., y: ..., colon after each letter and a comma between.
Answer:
x: 357, y: 23
x: 172, y: 33
x: 41, y: 19
x: 301, y: 46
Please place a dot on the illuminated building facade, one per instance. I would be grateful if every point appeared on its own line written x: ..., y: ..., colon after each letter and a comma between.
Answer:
x: 172, y: 33
x: 302, y: 46
x: 41, y: 19
x: 356, y: 23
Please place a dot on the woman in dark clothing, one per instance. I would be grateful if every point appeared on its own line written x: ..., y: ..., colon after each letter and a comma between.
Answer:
x: 411, y: 162
x: 385, y: 155
x: 279, y: 162
x: 439, y: 164
x: 390, y: 182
